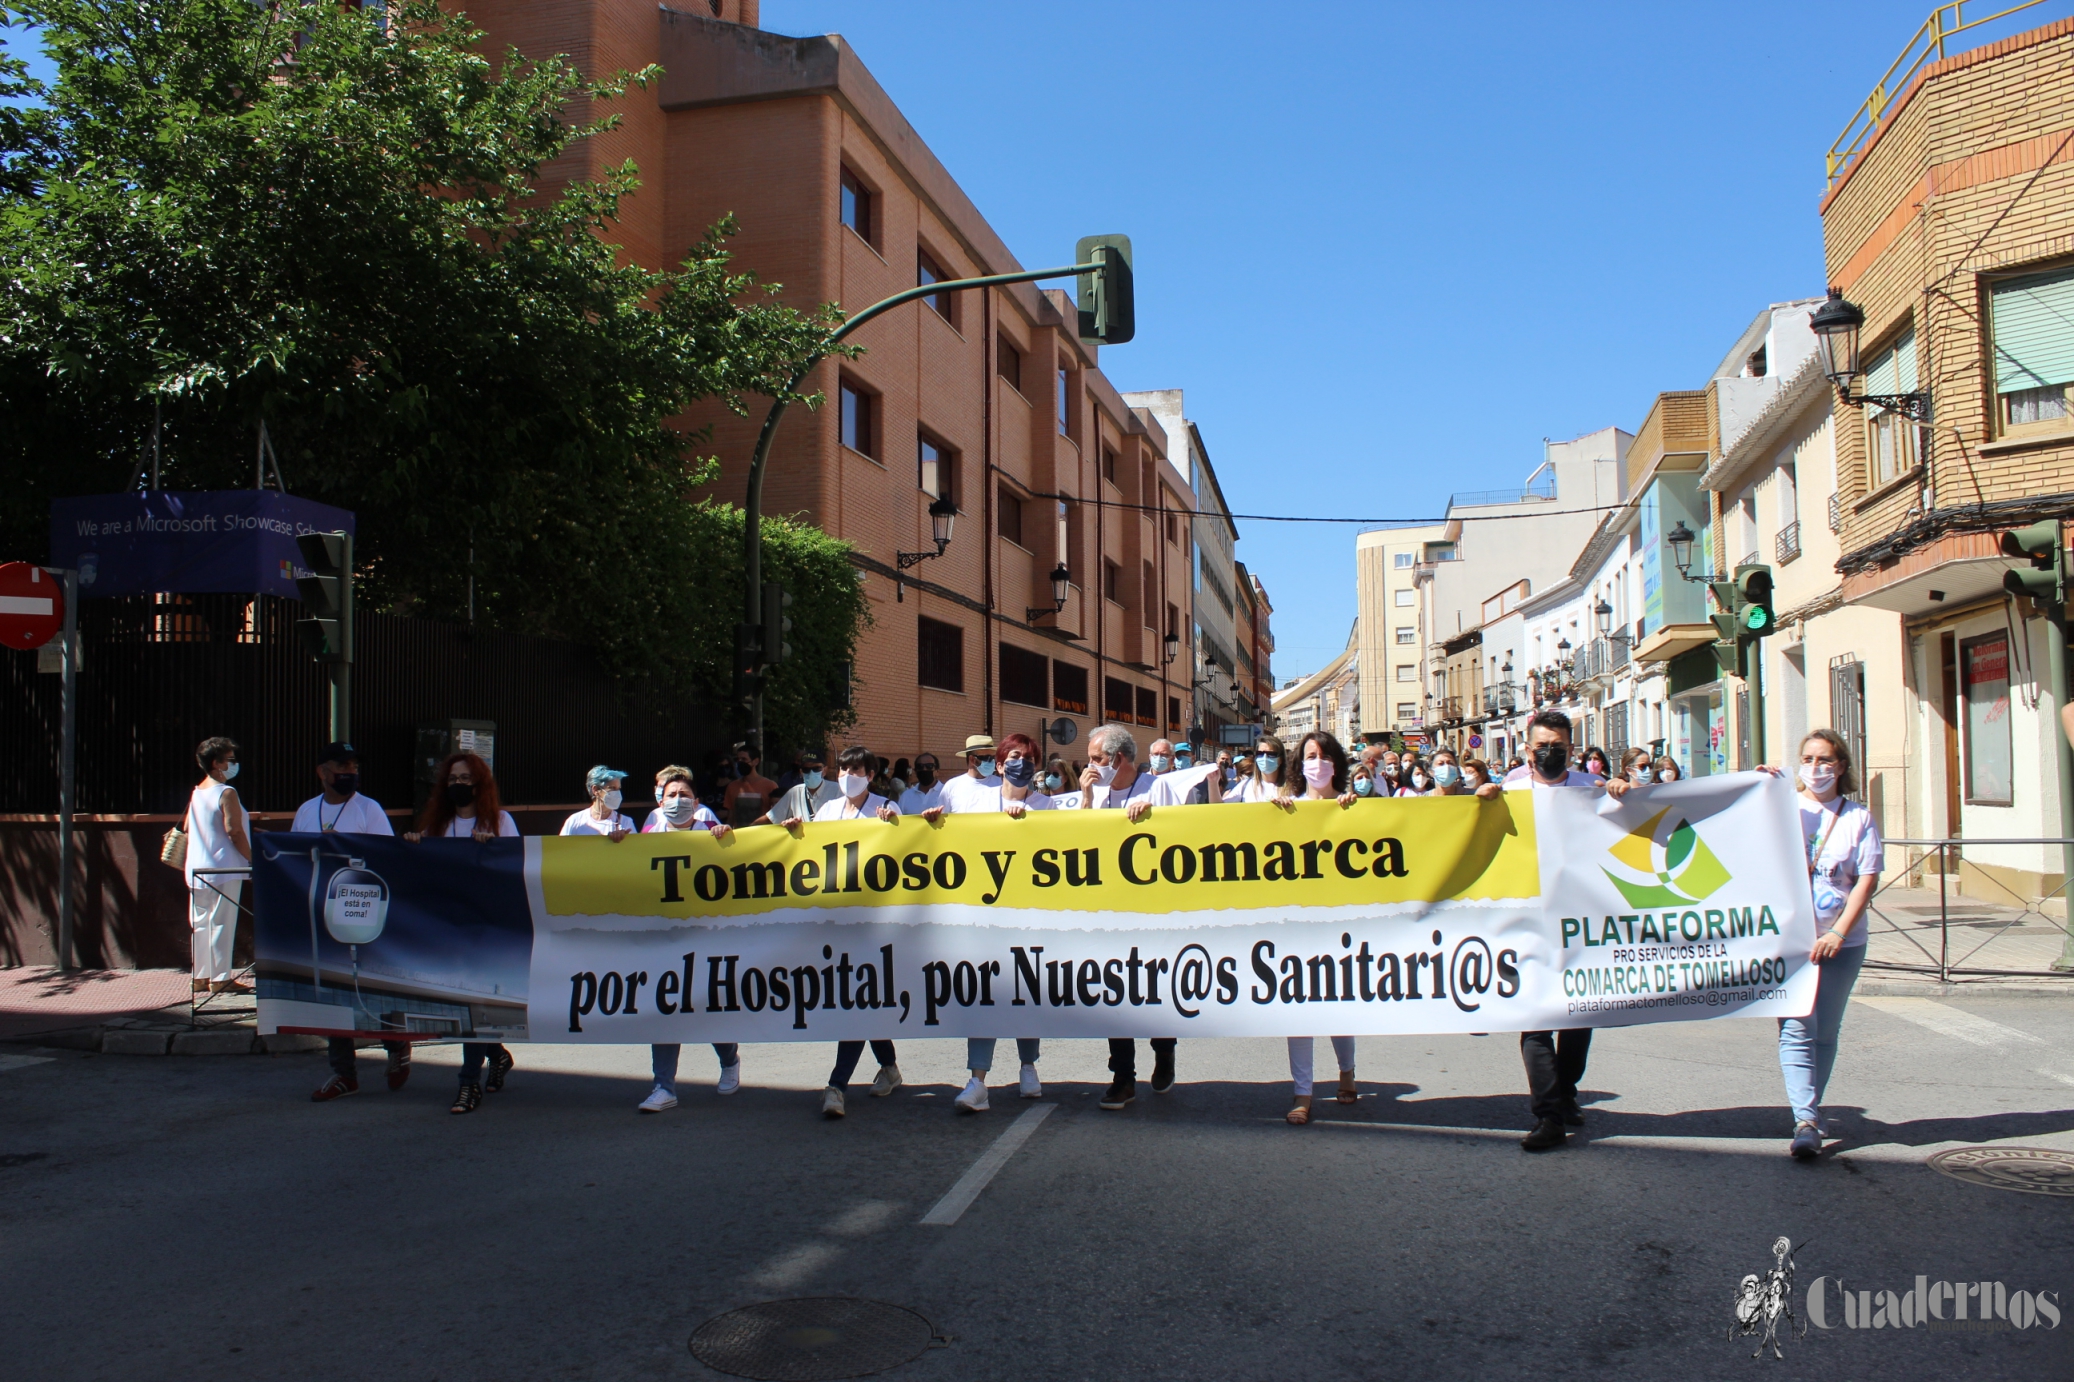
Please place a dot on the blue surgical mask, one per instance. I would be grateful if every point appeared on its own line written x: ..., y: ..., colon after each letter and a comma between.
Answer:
x: 813, y: 779
x: 1268, y: 763
x: 1364, y: 787
x: 986, y: 767
x: 1051, y: 782
x: 1162, y: 762
x: 1020, y: 772
x: 1447, y: 774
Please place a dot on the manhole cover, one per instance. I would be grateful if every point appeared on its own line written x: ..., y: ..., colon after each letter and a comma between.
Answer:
x: 2034, y: 1170
x: 818, y: 1339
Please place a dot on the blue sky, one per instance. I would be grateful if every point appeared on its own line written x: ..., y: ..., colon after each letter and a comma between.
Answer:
x: 1387, y: 250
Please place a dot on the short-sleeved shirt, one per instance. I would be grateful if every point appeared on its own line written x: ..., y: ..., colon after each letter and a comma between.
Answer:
x: 702, y: 818
x: 358, y: 814
x: 1523, y: 776
x: 915, y: 800
x: 841, y: 810
x: 1253, y: 789
x: 800, y: 802
x: 966, y: 795
x: 1106, y: 798
x: 464, y: 829
x: 584, y: 823
x: 1849, y: 848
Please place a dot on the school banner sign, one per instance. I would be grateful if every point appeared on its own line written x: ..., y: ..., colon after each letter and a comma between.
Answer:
x: 1550, y: 908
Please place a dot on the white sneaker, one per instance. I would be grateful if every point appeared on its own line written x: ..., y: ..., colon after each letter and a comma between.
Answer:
x: 658, y: 1099
x: 1030, y: 1087
x: 974, y: 1097
x: 886, y: 1081
x: 832, y: 1102
x: 730, y: 1079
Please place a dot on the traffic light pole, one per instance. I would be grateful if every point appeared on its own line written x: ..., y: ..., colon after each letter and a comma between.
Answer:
x: 2056, y: 668
x: 752, y: 504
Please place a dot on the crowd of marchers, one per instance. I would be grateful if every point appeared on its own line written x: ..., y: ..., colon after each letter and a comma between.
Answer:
x: 1842, y: 848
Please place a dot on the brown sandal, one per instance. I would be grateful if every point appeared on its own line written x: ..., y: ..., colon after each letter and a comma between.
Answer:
x: 1301, y: 1113
x: 1348, y: 1094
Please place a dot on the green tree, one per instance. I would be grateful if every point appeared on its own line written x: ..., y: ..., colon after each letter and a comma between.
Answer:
x: 332, y: 220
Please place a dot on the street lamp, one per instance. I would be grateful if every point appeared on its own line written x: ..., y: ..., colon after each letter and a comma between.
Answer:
x: 1604, y: 611
x: 1681, y: 539
x: 1061, y: 579
x: 1836, y: 324
x: 1171, y: 645
x: 943, y: 516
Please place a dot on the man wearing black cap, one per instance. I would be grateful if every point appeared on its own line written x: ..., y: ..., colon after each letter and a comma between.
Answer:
x: 342, y: 809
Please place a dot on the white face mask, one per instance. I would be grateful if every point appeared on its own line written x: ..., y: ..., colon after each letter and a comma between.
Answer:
x: 1105, y: 773
x: 1818, y: 778
x: 612, y: 799
x: 853, y: 784
x: 1638, y: 774
x: 677, y: 810
x: 1418, y: 780
x: 1667, y: 775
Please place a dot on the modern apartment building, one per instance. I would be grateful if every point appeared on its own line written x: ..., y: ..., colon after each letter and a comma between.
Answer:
x: 987, y: 398
x: 1949, y: 223
x: 1391, y: 646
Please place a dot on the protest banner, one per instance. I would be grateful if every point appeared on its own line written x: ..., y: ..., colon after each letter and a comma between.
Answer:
x: 1550, y: 908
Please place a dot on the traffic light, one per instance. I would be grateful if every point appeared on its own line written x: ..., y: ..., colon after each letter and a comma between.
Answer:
x: 1728, y: 642
x: 748, y: 675
x: 327, y: 592
x: 1754, y: 616
x: 2046, y: 581
x: 776, y: 624
x: 1108, y: 314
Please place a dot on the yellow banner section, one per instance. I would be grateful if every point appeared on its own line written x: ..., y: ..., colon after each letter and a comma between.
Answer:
x: 1178, y: 859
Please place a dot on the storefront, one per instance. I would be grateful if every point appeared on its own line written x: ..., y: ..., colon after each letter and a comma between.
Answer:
x: 1699, y: 715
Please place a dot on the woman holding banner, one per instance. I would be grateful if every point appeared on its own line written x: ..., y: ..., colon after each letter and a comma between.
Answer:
x: 854, y: 771
x: 1325, y: 779
x: 1265, y: 780
x: 679, y: 809
x: 1844, y: 854
x: 467, y: 807
x: 1019, y: 760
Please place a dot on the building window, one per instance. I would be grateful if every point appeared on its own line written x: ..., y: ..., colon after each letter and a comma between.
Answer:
x: 1112, y: 581
x: 1011, y: 520
x: 1068, y: 688
x: 857, y: 208
x: 1068, y: 548
x: 1172, y: 522
x: 937, y: 468
x: 1117, y: 702
x: 1989, y: 760
x: 1063, y: 395
x: 1174, y: 622
x: 1407, y: 634
x: 927, y: 270
x: 859, y: 419
x: 1407, y: 671
x: 1404, y: 559
x: 1173, y: 712
x: 1892, y: 442
x: 1148, y: 585
x: 1109, y: 464
x: 1025, y: 676
x: 1406, y: 710
x: 940, y: 656
x: 1404, y: 599
x: 1148, y: 706
x: 2033, y: 326
x: 1008, y: 363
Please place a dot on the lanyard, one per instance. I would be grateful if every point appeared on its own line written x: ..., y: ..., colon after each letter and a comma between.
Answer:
x: 1815, y: 853
x: 339, y: 816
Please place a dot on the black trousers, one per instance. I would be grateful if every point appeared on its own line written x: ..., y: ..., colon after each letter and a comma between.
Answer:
x: 339, y: 1051
x: 1555, y: 1063
x: 1123, y: 1054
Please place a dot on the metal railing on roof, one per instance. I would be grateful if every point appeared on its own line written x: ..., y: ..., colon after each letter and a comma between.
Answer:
x: 1534, y: 492
x: 1926, y: 47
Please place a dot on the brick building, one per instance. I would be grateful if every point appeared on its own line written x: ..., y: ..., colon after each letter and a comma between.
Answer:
x: 988, y: 397
x: 1949, y: 220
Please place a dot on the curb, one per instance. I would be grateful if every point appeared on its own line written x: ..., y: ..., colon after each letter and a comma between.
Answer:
x: 1891, y: 988
x: 134, y: 1041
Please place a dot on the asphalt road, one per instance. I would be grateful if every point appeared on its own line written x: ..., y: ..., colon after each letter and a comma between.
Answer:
x: 178, y: 1218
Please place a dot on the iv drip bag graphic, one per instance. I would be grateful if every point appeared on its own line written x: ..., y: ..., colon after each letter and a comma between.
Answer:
x: 356, y: 904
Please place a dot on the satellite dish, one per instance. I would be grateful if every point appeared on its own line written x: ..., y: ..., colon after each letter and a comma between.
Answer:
x: 1062, y: 731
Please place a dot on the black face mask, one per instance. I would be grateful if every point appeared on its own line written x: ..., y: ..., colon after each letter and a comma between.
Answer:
x: 1020, y: 772
x: 1551, y: 760
x: 741, y: 767
x: 925, y: 776
x: 460, y: 794
x: 345, y: 784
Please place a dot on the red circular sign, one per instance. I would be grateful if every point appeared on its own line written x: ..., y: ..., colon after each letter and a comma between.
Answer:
x: 32, y: 606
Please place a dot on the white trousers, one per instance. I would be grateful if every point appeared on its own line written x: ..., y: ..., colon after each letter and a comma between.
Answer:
x: 214, y: 918
x: 1300, y: 1059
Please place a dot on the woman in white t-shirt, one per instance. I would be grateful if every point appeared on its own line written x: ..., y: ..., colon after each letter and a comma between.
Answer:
x: 677, y: 808
x: 1324, y: 774
x: 467, y: 807
x: 1264, y: 781
x: 602, y: 816
x: 1019, y: 760
x: 218, y: 837
x: 1843, y: 859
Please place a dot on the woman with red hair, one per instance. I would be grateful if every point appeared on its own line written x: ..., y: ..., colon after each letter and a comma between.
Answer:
x: 1020, y: 763
x: 466, y: 807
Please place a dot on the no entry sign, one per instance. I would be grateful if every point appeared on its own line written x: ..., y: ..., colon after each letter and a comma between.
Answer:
x: 32, y: 606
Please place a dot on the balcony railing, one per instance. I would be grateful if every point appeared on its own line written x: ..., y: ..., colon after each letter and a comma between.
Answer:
x: 1788, y: 543
x: 1543, y: 488
x: 1750, y: 558
x: 1836, y: 513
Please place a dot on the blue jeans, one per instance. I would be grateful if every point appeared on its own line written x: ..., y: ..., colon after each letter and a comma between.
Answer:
x: 473, y: 1053
x: 979, y: 1052
x: 662, y: 1059
x: 1807, y: 1045
x: 846, y: 1057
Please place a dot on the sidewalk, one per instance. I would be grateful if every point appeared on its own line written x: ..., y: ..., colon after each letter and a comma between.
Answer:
x: 1978, y: 935
x: 133, y: 1012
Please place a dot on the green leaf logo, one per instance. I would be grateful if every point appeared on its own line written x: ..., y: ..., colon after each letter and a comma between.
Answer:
x: 1663, y: 862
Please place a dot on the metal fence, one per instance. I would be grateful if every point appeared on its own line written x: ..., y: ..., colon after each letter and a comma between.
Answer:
x: 1912, y: 930
x: 160, y: 673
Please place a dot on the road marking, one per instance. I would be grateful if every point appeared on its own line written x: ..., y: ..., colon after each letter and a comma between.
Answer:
x: 17, y: 1062
x: 1960, y: 1025
x: 946, y: 1210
